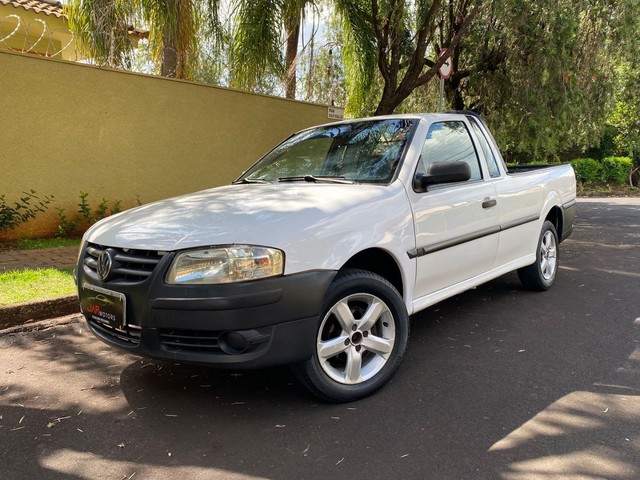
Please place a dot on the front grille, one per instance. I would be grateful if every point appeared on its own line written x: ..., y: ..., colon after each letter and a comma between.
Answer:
x: 128, y: 335
x: 129, y: 266
x: 193, y: 341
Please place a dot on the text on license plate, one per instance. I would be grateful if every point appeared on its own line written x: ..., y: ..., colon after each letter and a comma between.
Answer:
x: 104, y: 306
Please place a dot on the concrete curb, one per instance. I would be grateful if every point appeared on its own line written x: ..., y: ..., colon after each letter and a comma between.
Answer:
x: 44, y: 324
x: 25, y: 313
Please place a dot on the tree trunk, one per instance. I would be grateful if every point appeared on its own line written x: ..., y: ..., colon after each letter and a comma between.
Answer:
x: 453, y: 91
x: 385, y: 107
x: 293, y: 34
x: 391, y: 99
x: 169, y: 66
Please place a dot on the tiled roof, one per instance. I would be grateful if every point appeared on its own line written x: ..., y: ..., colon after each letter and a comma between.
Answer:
x: 48, y: 7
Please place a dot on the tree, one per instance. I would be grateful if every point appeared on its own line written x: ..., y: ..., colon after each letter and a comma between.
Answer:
x: 172, y: 34
x: 173, y: 25
x: 256, y: 47
x: 540, y: 71
x: 625, y: 114
x: 537, y: 70
x: 321, y: 66
x: 394, y: 37
x: 103, y: 26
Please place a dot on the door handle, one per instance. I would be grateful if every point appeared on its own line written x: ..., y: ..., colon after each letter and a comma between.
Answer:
x: 489, y: 202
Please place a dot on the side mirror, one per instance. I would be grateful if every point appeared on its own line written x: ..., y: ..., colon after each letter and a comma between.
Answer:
x: 443, y: 172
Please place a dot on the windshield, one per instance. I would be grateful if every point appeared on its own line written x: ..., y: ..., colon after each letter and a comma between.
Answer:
x: 367, y: 151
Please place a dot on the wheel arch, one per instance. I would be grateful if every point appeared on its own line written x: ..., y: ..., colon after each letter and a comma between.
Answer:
x: 381, y: 262
x: 555, y: 216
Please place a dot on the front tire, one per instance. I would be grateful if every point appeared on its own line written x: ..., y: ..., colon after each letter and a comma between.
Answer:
x: 541, y: 275
x: 361, y: 338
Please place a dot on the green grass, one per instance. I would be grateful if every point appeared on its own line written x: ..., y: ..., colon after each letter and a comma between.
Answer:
x: 29, y: 285
x: 36, y: 243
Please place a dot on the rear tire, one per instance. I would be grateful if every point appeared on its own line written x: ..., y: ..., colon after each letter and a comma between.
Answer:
x: 361, y: 337
x: 541, y: 274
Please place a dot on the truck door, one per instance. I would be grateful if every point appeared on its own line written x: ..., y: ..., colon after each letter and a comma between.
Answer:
x: 520, y: 200
x: 456, y: 224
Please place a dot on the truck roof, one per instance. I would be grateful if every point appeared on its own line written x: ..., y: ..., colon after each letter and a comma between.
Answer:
x: 415, y: 116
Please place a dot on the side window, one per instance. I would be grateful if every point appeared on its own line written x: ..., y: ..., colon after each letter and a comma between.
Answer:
x: 450, y: 142
x: 486, y: 149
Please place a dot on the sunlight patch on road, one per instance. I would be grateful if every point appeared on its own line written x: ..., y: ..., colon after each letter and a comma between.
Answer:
x: 85, y: 465
x: 619, y: 272
x: 576, y: 425
x: 557, y: 419
x: 597, y: 463
x: 571, y: 269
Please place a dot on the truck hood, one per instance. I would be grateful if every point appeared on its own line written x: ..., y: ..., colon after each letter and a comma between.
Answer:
x: 270, y: 215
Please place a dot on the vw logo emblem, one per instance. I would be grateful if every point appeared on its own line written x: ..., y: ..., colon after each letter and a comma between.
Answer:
x: 104, y: 265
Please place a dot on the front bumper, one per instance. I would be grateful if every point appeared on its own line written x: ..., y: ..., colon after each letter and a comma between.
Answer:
x: 253, y: 324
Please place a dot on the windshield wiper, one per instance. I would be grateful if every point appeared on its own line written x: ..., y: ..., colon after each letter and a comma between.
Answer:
x: 314, y: 179
x: 250, y: 180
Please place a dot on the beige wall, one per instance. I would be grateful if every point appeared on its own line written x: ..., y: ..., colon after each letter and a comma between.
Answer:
x: 66, y: 128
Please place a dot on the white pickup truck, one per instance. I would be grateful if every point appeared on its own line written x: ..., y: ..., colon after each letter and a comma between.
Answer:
x: 317, y: 255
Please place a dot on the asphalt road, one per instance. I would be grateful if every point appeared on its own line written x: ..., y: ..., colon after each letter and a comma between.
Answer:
x: 498, y: 383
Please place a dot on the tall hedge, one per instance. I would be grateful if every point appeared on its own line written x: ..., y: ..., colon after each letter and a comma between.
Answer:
x: 616, y: 169
x: 587, y: 170
x: 613, y: 170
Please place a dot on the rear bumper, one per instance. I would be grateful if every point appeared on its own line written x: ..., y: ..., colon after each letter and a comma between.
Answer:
x: 245, y: 325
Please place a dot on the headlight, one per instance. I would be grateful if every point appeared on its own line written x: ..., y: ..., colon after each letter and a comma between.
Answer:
x: 235, y: 263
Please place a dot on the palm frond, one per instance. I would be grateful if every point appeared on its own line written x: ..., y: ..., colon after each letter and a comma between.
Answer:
x: 359, y: 52
x: 256, y: 48
x: 173, y: 34
x: 102, y: 26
